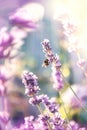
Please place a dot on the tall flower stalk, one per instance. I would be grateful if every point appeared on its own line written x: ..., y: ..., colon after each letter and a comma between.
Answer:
x: 49, y: 120
x: 32, y: 89
x: 57, y: 74
x: 56, y: 64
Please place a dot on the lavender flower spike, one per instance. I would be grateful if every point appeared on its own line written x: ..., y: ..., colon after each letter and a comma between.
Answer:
x: 47, y: 50
x: 57, y: 74
x: 56, y: 64
x: 31, y: 83
x: 22, y: 18
x: 6, y: 41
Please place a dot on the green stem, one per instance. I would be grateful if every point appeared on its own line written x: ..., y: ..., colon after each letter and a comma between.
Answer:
x: 40, y: 110
x: 67, y: 117
x: 74, y: 93
x: 78, y: 100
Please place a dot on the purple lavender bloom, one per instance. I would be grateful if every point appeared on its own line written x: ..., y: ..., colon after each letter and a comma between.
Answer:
x: 74, y: 125
x: 31, y: 83
x: 53, y: 107
x: 4, y: 117
x: 47, y: 50
x: 5, y: 43
x: 56, y: 64
x: 57, y: 74
x: 44, y: 118
x: 45, y: 99
x: 49, y: 54
x: 46, y: 45
x: 50, y: 104
x: 70, y: 28
x: 3, y: 76
x: 58, y: 122
x: 35, y: 100
x: 20, y: 22
x: 29, y: 123
x: 21, y: 18
x: 58, y: 81
x: 10, y: 43
x: 35, y: 124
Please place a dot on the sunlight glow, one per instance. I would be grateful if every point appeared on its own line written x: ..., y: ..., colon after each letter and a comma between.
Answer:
x: 76, y: 12
x: 35, y: 11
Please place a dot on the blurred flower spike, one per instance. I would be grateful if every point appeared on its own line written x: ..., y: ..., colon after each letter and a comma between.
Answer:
x: 5, y: 42
x: 27, y: 16
x: 9, y: 42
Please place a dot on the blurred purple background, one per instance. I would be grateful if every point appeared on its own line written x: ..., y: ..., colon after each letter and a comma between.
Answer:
x: 8, y: 6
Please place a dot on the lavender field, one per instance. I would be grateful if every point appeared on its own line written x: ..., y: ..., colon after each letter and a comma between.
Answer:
x: 43, y: 67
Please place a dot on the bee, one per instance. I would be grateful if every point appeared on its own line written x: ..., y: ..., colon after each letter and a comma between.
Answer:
x: 46, y: 63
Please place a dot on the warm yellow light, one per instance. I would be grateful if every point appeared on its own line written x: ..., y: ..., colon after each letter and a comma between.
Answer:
x: 76, y: 10
x: 65, y: 70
